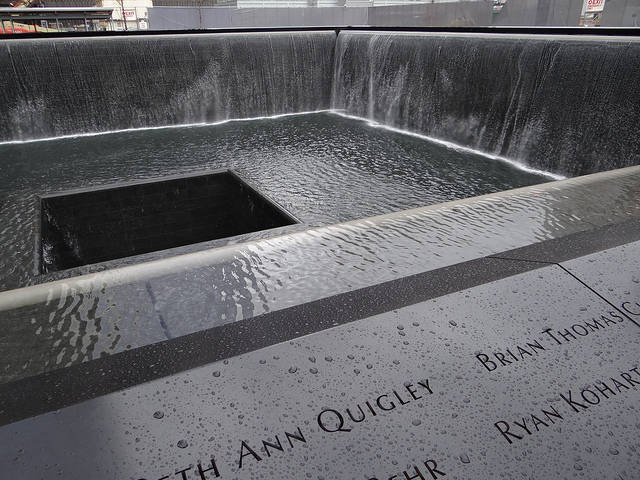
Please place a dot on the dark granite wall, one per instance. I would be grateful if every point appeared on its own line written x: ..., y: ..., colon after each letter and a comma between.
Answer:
x: 105, y: 224
x: 563, y: 104
x: 566, y: 105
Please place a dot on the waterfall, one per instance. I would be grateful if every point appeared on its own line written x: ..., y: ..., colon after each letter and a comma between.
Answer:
x: 53, y: 87
x: 558, y: 103
x: 563, y: 104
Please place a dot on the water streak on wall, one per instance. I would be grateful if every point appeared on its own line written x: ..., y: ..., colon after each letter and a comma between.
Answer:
x: 561, y: 104
x: 76, y: 85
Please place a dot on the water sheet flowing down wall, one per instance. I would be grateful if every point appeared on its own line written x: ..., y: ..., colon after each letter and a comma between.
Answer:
x: 558, y: 103
x: 52, y: 87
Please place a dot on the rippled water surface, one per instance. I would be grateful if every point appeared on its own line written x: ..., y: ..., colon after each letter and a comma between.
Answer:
x: 55, y: 325
x: 323, y: 168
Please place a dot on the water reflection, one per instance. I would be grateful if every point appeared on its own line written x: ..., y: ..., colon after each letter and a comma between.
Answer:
x: 322, y: 168
x: 55, y: 325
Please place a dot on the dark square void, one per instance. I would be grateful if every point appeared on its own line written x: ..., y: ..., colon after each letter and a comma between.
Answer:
x: 109, y: 223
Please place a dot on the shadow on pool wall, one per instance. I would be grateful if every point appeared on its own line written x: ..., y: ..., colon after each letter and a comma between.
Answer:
x: 557, y: 103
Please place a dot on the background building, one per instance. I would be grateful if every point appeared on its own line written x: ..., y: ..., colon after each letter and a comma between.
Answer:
x: 78, y: 15
x: 55, y: 19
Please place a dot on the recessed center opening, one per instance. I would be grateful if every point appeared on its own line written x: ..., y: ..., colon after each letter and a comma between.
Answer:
x: 109, y: 223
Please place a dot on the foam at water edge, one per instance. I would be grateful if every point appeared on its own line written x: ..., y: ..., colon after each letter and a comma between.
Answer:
x: 162, y: 127
x: 451, y: 145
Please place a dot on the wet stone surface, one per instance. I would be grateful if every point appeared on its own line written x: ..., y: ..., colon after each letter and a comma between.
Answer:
x: 614, y: 274
x: 509, y: 379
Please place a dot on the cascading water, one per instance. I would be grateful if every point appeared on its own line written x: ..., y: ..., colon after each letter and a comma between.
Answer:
x: 53, y: 87
x: 560, y: 104
x: 557, y: 103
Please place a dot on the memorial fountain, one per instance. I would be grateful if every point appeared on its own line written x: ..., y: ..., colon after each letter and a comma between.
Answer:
x: 294, y: 253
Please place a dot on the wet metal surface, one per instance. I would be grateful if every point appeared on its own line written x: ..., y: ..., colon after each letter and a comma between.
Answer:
x: 420, y: 386
x: 613, y: 274
x: 62, y: 387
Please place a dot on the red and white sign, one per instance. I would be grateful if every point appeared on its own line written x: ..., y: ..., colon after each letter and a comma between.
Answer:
x: 132, y: 13
x: 594, y: 6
